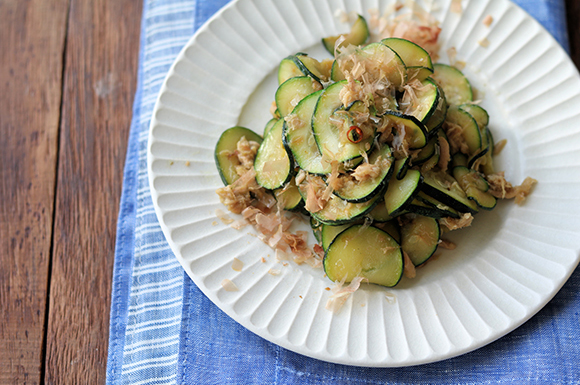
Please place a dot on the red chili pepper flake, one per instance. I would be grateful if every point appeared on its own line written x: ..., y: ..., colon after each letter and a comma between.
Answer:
x: 354, y: 134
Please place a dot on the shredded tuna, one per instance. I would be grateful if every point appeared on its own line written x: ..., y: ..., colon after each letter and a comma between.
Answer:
x: 390, y: 297
x: 455, y: 224
x: 483, y: 42
x: 315, y: 188
x: 455, y: 136
x: 409, y: 267
x: 274, y: 271
x: 446, y: 244
x: 499, y: 187
x: 341, y: 294
x: 499, y: 146
x: 247, y: 150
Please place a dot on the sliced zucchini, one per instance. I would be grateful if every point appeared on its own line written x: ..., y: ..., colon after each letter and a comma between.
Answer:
x: 316, y: 227
x: 392, y: 228
x: 225, y: 151
x: 478, y: 113
x: 359, y: 34
x: 416, y: 59
x: 313, y: 67
x: 444, y: 210
x: 330, y: 129
x: 400, y: 192
x: 356, y: 191
x: 487, y: 165
x: 426, y: 152
x: 336, y: 74
x: 299, y: 138
x: 273, y: 164
x: 413, y: 131
x: 475, y: 187
x: 424, y: 102
x: 379, y: 213
x: 470, y: 129
x: 366, y: 252
x: 289, y: 196
x: 337, y: 211
x: 292, y: 91
x: 439, y: 114
x: 269, y: 126
x: 455, y: 85
x: 328, y: 233
x: 419, y: 238
x: 459, y: 159
x: 289, y: 69
x: 445, y: 188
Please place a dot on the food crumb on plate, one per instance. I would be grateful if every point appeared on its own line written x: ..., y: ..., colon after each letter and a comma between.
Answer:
x: 237, y: 265
x: 228, y: 285
x: 487, y: 20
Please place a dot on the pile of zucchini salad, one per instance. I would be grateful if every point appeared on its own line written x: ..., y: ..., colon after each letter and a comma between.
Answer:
x: 381, y: 149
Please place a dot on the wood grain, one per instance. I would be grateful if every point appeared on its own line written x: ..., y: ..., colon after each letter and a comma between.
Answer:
x: 32, y: 37
x: 99, y: 85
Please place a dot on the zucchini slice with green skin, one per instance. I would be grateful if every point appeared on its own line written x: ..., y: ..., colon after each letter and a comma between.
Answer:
x: 478, y: 113
x: 289, y: 196
x: 269, y: 126
x: 403, y: 165
x: 299, y: 138
x: 366, y: 252
x: 475, y: 187
x: 426, y: 152
x: 225, y: 149
x: 358, y: 35
x: 292, y: 91
x: 312, y: 67
x: 289, y: 68
x: 328, y: 233
x: 427, y: 100
x: 487, y: 166
x: 444, y: 210
x: 416, y: 59
x: 336, y: 74
x: 414, y: 131
x: 445, y: 189
x: 380, y: 214
x: 401, y: 192
x: 439, y: 114
x: 455, y: 85
x: 419, y: 238
x: 459, y: 159
x: 361, y: 191
x: 331, y: 143
x: 338, y: 211
x: 316, y: 229
x: 470, y: 132
x: 392, y: 228
x: 273, y: 164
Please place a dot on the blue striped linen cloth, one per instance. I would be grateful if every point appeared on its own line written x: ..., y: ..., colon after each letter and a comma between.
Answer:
x: 163, y: 330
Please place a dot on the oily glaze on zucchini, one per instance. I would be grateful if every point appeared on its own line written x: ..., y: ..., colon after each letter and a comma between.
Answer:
x: 416, y: 59
x: 353, y: 190
x: 445, y: 188
x: 409, y: 127
x: 400, y: 192
x: 299, y: 138
x: 328, y: 136
x: 366, y: 252
x: 225, y: 149
x: 419, y: 238
x: 293, y: 91
x: 455, y: 85
x: 359, y: 34
x: 273, y: 164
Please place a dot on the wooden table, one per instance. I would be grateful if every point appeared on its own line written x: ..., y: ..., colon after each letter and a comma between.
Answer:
x: 68, y: 72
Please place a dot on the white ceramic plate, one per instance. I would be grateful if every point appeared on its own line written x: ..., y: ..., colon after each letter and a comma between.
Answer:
x: 506, y: 267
